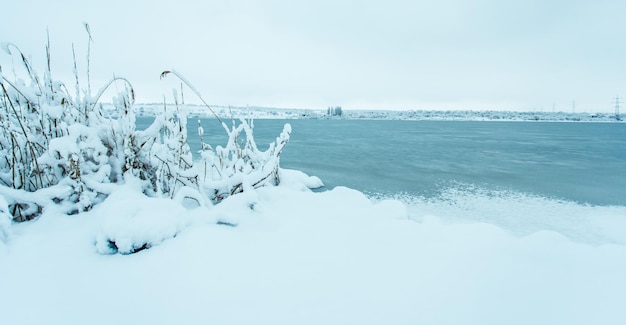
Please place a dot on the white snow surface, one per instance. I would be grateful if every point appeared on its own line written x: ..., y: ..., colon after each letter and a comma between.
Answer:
x: 287, y: 255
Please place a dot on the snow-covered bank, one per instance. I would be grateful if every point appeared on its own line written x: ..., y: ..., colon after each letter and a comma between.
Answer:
x: 287, y: 255
x: 421, y: 115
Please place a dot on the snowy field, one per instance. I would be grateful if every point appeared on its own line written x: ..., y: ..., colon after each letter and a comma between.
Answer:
x: 288, y: 255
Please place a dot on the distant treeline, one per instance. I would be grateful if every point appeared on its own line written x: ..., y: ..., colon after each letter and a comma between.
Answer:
x: 334, y: 111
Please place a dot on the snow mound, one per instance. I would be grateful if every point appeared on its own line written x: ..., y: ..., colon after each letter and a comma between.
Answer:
x: 298, y: 180
x: 5, y: 221
x: 233, y: 209
x: 133, y: 222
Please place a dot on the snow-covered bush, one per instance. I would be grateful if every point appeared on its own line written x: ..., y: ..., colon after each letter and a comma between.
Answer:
x: 240, y: 165
x: 60, y: 149
x: 230, y: 170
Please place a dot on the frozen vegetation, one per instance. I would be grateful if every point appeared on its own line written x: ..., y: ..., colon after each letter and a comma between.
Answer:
x: 63, y: 151
x: 101, y: 223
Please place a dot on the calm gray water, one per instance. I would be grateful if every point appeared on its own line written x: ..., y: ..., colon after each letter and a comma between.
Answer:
x: 579, y: 162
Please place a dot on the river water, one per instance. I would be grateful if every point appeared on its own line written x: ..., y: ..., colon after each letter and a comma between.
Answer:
x: 580, y: 162
x: 497, y: 172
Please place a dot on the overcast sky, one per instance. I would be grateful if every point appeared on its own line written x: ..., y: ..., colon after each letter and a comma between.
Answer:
x: 439, y: 54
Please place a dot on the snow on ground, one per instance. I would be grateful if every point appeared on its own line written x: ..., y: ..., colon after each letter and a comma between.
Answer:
x: 287, y: 255
x: 522, y: 214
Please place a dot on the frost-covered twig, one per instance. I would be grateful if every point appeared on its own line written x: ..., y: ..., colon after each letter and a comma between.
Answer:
x: 166, y: 72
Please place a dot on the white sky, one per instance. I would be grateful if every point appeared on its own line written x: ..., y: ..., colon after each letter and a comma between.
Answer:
x: 390, y: 54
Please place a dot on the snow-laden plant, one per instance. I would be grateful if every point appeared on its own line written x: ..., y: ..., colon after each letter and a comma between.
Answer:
x: 164, y: 158
x: 240, y: 165
x: 55, y: 144
x: 60, y: 149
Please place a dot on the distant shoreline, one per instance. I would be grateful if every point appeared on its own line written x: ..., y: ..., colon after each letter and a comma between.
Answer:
x: 199, y: 111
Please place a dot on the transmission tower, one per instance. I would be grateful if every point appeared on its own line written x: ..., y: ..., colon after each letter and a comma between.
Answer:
x: 617, y: 105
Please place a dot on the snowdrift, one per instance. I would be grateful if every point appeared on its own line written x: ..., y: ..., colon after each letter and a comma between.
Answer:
x: 287, y: 255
